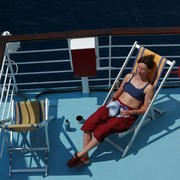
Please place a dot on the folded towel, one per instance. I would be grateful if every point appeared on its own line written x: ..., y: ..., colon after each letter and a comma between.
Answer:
x: 114, y: 109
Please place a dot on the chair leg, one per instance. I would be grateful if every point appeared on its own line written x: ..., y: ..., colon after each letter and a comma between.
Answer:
x: 46, y: 162
x: 26, y: 147
x: 114, y: 144
x: 10, y: 163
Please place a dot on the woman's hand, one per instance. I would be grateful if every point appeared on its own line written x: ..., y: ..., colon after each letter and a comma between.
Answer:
x: 128, y: 112
x: 125, y: 112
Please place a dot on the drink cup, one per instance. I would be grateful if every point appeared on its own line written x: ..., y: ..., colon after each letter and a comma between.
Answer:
x: 80, y: 119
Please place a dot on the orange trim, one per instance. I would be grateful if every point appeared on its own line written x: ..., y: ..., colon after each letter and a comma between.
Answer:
x: 156, y: 72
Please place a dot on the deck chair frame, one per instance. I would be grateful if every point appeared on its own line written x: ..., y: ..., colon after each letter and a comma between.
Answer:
x: 150, y: 114
x: 11, y: 148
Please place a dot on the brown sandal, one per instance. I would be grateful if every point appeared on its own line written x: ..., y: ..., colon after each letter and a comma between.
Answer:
x: 85, y: 160
x: 75, y: 161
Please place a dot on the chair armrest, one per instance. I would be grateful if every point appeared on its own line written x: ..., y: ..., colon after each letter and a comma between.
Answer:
x: 46, y: 121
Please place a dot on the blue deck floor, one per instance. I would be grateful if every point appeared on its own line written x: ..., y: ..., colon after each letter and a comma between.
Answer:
x: 155, y: 154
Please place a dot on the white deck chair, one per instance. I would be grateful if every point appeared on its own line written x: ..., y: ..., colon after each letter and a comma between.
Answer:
x: 157, y: 77
x: 27, y: 117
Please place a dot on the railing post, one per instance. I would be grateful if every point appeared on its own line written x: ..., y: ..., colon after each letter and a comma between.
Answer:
x: 85, y: 85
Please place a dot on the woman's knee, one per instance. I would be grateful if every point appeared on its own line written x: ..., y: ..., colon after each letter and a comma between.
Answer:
x: 101, y: 134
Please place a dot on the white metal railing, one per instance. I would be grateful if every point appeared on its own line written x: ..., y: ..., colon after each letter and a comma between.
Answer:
x: 45, y: 65
x: 8, y: 85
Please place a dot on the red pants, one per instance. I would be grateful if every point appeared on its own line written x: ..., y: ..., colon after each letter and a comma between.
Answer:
x: 101, y: 125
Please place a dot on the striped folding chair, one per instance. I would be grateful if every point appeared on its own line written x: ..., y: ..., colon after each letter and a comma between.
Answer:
x: 157, y: 77
x: 27, y: 117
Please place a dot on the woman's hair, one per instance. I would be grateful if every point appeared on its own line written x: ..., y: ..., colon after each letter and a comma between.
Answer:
x: 148, y: 60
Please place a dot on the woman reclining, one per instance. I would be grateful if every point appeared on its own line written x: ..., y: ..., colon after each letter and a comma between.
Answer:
x: 119, y: 116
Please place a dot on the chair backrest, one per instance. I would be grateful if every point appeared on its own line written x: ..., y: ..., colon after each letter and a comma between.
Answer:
x: 29, y: 112
x: 157, y: 70
x: 155, y: 74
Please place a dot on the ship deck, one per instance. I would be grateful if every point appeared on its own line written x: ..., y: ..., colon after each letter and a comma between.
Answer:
x: 153, y: 155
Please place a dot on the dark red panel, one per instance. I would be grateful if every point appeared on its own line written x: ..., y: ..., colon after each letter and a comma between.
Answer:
x: 84, y: 62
